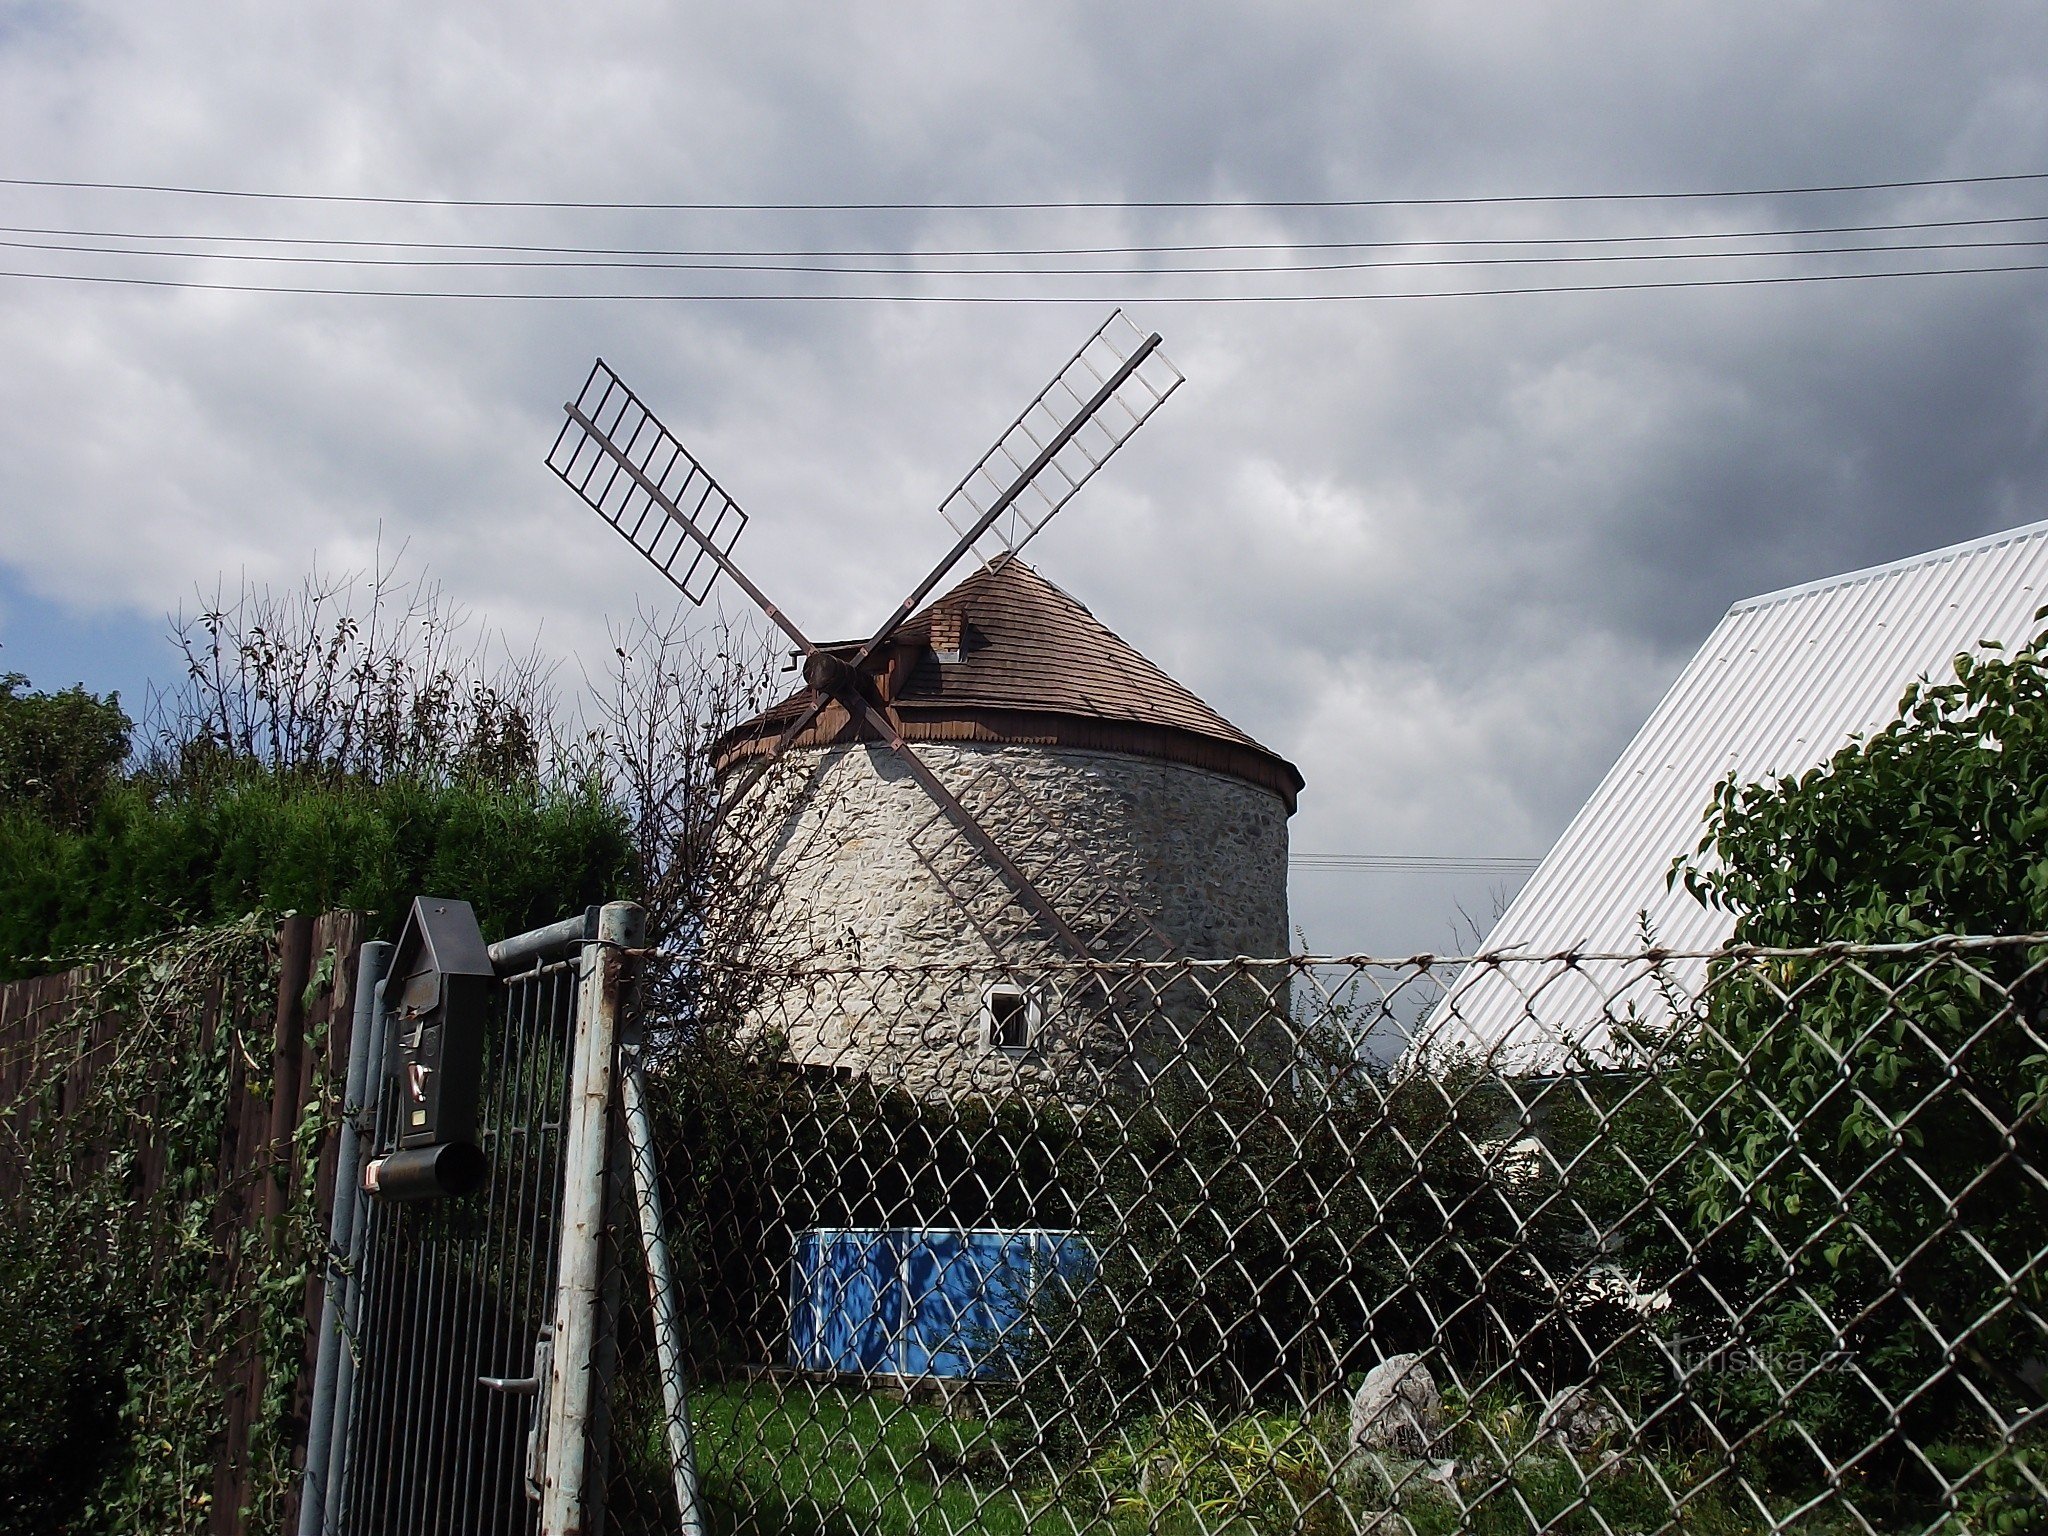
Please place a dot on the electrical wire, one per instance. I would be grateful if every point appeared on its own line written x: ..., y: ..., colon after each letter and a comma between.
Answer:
x: 1659, y: 251
x: 1419, y: 862
x: 1212, y: 270
x: 1212, y: 247
x: 950, y: 206
x: 791, y: 297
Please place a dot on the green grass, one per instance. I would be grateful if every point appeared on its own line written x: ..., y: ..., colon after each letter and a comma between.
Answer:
x: 803, y: 1459
x: 1273, y: 1472
x: 797, y: 1459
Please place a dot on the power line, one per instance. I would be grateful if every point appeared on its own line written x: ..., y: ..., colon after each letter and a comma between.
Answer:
x: 1212, y: 270
x: 910, y: 253
x: 1050, y: 205
x: 792, y: 297
x: 1412, y: 861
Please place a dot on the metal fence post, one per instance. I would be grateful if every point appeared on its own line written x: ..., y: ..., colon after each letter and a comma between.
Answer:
x: 579, y: 1277
x: 330, y: 1365
x: 661, y: 1286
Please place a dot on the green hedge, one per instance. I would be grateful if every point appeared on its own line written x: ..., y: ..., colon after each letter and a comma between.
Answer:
x: 144, y: 864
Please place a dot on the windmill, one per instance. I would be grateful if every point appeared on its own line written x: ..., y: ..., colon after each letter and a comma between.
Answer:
x: 634, y: 473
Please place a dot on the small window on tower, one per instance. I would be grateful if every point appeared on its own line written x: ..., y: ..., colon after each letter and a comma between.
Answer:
x: 1008, y: 1017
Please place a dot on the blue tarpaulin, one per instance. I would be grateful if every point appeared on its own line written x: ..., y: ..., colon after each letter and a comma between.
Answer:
x: 925, y: 1301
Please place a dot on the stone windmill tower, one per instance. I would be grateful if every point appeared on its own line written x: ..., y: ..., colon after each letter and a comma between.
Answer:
x: 1154, y: 825
x: 992, y: 778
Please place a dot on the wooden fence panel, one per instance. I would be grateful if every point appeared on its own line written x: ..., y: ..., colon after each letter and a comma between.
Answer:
x: 258, y: 1176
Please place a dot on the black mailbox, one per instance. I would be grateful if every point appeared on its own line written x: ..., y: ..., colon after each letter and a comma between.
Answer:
x: 436, y: 1001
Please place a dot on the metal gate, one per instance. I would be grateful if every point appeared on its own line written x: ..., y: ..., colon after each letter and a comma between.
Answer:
x: 469, y: 1341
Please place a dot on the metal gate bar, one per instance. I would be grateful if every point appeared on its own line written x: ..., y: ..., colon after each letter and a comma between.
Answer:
x: 334, y: 1367
x: 578, y: 1286
x: 661, y: 1291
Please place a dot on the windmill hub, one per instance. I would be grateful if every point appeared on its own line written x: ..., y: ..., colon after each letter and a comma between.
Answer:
x: 832, y: 676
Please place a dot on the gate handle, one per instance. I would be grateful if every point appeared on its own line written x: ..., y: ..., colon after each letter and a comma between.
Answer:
x: 535, y: 1387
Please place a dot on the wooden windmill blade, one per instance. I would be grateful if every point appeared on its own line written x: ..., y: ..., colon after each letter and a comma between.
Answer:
x: 1105, y: 392
x: 1095, y: 402
x: 635, y: 474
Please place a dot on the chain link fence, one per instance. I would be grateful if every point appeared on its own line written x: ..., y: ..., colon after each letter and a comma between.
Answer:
x: 1736, y: 1242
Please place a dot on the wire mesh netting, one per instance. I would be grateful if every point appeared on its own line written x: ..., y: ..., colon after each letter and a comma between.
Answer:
x: 1740, y: 1242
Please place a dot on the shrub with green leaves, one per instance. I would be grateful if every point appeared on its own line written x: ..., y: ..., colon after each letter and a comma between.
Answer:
x: 146, y: 863
x: 1874, y: 1146
x: 61, y: 1390
x: 127, y: 1298
x: 58, y: 751
x: 323, y: 750
x: 1936, y: 824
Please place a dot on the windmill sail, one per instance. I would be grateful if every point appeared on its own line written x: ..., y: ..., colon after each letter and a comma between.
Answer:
x: 1105, y: 392
x: 615, y: 453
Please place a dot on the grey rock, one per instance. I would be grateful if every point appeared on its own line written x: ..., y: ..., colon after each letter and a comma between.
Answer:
x: 1397, y: 1408
x: 1578, y: 1420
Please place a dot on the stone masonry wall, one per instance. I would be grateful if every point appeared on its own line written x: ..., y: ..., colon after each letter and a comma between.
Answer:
x: 872, y: 874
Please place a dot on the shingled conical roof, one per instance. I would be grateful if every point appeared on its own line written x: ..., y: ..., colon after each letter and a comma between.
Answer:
x: 1007, y: 658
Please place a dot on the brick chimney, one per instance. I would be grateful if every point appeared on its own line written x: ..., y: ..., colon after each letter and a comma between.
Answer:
x: 949, y: 628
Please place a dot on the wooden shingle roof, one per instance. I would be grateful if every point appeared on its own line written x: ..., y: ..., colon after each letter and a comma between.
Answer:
x: 1033, y: 667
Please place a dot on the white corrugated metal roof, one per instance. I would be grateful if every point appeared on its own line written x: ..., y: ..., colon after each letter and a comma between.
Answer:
x: 1783, y: 682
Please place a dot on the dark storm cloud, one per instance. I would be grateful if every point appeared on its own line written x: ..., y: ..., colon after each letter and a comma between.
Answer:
x: 1445, y: 553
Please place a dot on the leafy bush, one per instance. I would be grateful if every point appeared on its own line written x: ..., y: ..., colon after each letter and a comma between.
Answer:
x: 318, y: 753
x: 148, y: 863
x: 1936, y: 824
x: 1256, y: 1244
x: 58, y: 751
x: 130, y: 1287
x: 346, y: 743
x: 1896, y: 1229
x: 61, y: 1389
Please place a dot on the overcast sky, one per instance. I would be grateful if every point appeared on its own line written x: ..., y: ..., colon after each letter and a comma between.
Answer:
x: 1444, y: 553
